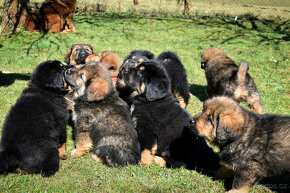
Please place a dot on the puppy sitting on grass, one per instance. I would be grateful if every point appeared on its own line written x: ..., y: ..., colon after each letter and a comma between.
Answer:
x: 102, y: 120
x: 254, y: 145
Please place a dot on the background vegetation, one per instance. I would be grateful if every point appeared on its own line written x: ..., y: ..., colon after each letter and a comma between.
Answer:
x: 262, y: 43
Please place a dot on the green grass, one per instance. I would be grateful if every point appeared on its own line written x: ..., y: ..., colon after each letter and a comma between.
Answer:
x: 264, y: 45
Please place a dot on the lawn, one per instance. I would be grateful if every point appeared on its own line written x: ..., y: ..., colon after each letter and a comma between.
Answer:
x: 264, y: 45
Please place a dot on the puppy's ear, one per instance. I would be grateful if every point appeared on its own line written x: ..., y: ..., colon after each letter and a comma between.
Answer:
x: 98, y: 89
x: 67, y: 56
x: 156, y: 88
x: 229, y: 127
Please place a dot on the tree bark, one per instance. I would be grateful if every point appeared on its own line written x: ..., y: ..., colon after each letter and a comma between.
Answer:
x: 135, y: 2
x: 185, y: 7
x: 14, y: 13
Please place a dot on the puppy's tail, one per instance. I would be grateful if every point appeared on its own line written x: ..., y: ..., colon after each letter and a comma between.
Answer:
x: 243, y: 68
x: 8, y: 162
x: 168, y: 55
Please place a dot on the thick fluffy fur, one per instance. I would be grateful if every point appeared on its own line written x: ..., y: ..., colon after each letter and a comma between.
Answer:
x: 174, y: 68
x: 224, y: 77
x: 102, y: 120
x: 159, y: 119
x: 78, y: 53
x: 36, y: 125
x: 254, y: 145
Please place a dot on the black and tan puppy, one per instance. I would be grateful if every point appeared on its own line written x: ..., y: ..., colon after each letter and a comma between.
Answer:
x: 135, y: 58
x: 177, y: 75
x: 102, y: 120
x: 174, y: 68
x: 158, y: 117
x: 224, y: 77
x: 78, y: 53
x: 34, y: 133
x: 254, y: 145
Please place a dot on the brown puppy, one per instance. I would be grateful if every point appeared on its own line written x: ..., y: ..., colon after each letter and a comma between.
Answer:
x: 254, y: 145
x: 224, y: 77
x: 58, y: 15
x: 78, y: 53
x: 102, y: 120
x: 111, y: 60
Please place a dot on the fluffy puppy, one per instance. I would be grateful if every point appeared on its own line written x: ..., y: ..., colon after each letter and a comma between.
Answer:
x: 174, y: 68
x: 177, y: 75
x: 254, y: 145
x: 78, y: 53
x: 102, y: 120
x: 158, y: 118
x: 224, y: 77
x: 135, y: 58
x: 34, y: 132
x: 111, y: 60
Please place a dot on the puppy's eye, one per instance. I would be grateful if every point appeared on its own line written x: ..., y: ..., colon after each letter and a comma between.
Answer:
x: 76, y: 49
x: 208, y: 118
x: 87, y: 50
x: 82, y: 76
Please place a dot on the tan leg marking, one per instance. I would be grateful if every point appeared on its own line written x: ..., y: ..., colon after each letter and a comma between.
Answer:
x: 244, y: 189
x: 62, y: 152
x: 146, y: 157
x: 96, y: 158
x: 159, y: 161
x: 179, y: 98
x: 83, y: 145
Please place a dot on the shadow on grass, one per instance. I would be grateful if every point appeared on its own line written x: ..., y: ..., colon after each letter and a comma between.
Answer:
x: 8, y: 79
x: 247, y: 23
x: 198, y: 91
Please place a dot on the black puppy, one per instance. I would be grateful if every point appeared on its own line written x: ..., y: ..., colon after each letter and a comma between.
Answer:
x: 36, y: 125
x: 177, y: 75
x: 159, y: 120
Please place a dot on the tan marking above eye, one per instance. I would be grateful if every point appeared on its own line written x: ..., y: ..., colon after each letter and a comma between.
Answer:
x: 133, y: 57
x: 141, y: 60
x: 135, y: 64
x: 142, y: 68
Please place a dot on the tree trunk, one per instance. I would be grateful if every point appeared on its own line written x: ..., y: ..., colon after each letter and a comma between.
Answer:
x: 185, y: 7
x: 14, y: 14
x: 135, y: 2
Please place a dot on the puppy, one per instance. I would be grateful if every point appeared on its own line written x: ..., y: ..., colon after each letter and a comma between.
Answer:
x: 135, y: 58
x: 77, y: 54
x: 158, y: 118
x: 174, y: 68
x: 34, y: 132
x: 57, y: 15
x: 254, y: 145
x: 102, y: 120
x: 177, y: 75
x: 111, y: 60
x: 224, y: 77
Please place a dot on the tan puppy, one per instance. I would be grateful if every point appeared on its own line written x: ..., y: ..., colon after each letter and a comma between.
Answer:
x: 111, y: 60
